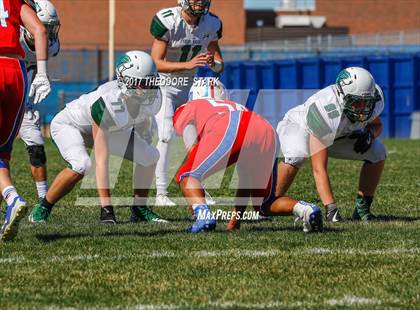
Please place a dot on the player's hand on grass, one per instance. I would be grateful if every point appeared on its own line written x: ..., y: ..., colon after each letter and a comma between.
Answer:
x: 40, y: 87
x: 198, y: 61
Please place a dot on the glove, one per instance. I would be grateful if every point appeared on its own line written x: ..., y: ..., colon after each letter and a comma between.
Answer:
x: 364, y: 139
x: 40, y: 87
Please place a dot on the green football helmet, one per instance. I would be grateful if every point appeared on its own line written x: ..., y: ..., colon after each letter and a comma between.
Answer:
x: 137, y: 76
x: 190, y: 6
x: 359, y: 93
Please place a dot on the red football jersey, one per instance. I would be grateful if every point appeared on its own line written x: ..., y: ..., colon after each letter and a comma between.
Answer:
x: 10, y: 23
x: 202, y: 111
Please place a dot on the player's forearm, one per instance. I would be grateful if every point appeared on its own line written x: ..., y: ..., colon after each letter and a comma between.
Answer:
x: 41, y: 43
x: 323, y: 186
x: 102, y: 183
x: 164, y: 66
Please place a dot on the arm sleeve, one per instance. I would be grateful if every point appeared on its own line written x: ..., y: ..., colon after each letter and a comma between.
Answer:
x: 317, y: 125
x: 100, y: 115
x: 159, y: 28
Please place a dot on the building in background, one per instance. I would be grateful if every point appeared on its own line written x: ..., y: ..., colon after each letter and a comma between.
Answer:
x: 85, y: 22
x: 287, y: 19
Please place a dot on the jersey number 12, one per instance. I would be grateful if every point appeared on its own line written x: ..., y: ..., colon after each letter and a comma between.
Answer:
x: 3, y: 15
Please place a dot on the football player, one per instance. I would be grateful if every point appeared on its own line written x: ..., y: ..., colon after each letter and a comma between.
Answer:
x: 111, y: 119
x: 30, y: 131
x: 340, y: 121
x: 186, y: 38
x: 13, y: 90
x: 217, y: 133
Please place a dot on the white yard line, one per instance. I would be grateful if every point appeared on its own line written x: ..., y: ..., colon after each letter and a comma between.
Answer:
x: 215, y: 253
x: 322, y: 251
x: 353, y: 301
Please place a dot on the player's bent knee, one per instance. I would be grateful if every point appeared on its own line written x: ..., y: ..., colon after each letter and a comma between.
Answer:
x: 37, y: 156
x: 81, y: 166
x: 377, y: 153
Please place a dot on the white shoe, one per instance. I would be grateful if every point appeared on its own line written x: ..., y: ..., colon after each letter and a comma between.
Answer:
x: 209, y: 200
x: 312, y: 218
x: 163, y: 200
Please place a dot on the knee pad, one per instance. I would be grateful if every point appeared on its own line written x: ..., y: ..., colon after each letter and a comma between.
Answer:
x: 37, y: 155
x: 295, y: 161
x: 81, y: 166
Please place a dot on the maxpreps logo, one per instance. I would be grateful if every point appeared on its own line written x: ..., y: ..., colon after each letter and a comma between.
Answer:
x: 223, y: 215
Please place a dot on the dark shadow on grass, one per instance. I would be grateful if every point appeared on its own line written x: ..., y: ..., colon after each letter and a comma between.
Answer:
x: 397, y: 218
x: 57, y: 236
x: 291, y: 229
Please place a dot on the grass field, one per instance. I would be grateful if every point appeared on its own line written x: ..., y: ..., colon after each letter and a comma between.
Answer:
x: 73, y: 261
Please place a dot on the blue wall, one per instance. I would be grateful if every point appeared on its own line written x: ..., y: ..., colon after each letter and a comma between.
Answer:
x: 276, y: 86
x: 398, y: 75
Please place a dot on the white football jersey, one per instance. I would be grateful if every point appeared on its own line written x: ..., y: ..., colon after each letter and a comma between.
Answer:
x: 30, y: 54
x: 322, y: 115
x: 107, y: 107
x: 184, y: 40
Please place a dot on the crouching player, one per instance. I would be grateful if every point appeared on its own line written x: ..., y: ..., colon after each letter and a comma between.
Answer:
x: 340, y: 121
x: 30, y: 131
x: 108, y: 118
x: 218, y: 133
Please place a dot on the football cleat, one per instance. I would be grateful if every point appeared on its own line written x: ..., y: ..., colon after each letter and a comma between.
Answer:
x: 363, y: 214
x: 333, y: 215
x: 203, y: 220
x: 163, y: 200
x: 14, y: 213
x: 311, y: 218
x: 39, y: 213
x: 144, y: 214
x: 107, y: 215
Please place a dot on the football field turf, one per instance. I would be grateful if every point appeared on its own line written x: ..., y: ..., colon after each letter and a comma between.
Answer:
x: 73, y: 261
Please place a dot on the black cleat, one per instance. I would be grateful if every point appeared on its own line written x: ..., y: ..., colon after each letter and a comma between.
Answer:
x: 333, y: 215
x: 107, y: 215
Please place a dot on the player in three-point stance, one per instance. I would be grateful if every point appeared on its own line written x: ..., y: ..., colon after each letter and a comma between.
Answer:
x: 13, y: 90
x: 114, y: 119
x: 186, y: 38
x: 30, y: 131
x: 340, y: 121
x: 217, y: 133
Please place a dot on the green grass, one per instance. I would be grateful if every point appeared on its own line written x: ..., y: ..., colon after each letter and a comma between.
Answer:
x: 75, y: 262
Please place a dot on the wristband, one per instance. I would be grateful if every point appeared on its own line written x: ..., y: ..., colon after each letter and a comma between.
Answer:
x: 41, y: 66
x: 217, y: 67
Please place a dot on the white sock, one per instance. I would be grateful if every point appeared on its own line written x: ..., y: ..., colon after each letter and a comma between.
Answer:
x: 298, y: 209
x: 42, y: 188
x: 162, y: 168
x: 9, y: 194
